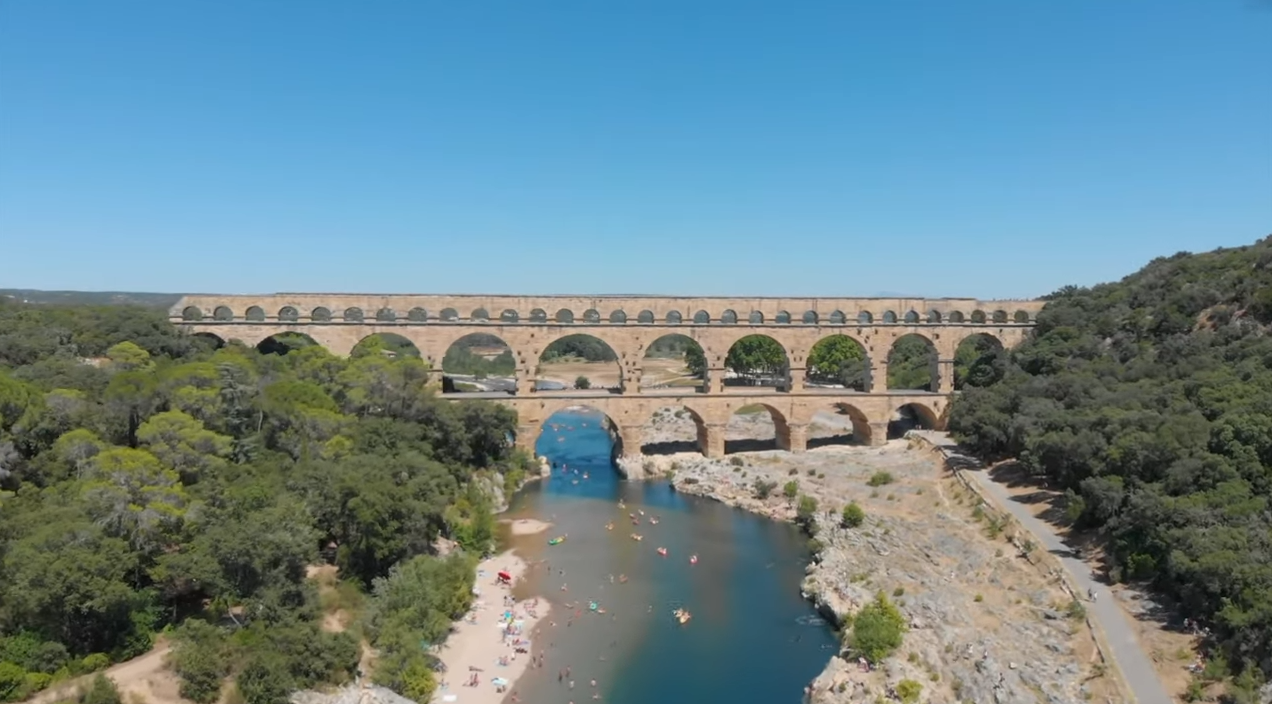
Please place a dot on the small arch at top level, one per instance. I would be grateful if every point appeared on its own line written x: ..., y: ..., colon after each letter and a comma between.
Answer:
x: 618, y: 317
x: 1021, y: 316
x: 729, y: 317
x: 645, y: 317
x: 193, y: 314
x: 222, y: 313
x: 810, y: 317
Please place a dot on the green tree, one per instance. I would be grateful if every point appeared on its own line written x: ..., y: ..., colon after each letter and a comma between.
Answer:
x: 101, y: 691
x: 181, y: 442
x: 838, y: 359
x: 265, y: 679
x: 128, y: 357
x: 756, y: 356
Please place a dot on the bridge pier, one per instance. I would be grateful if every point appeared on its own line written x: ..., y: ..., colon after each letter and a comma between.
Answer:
x: 878, y: 433
x: 877, y: 376
x: 714, y: 382
x: 796, y: 438
x: 714, y: 445
x: 945, y: 376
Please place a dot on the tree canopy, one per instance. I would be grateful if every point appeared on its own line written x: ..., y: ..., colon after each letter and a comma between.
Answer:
x: 756, y: 356
x: 1150, y: 401
x: 148, y: 480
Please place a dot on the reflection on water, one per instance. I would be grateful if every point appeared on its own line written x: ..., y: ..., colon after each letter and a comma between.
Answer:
x: 751, y: 637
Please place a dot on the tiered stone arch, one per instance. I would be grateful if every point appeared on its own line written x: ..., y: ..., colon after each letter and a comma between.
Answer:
x: 627, y: 435
x: 674, y: 413
x: 628, y: 361
x: 862, y: 431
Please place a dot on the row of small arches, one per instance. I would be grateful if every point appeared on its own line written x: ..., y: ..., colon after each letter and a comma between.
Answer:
x: 290, y: 314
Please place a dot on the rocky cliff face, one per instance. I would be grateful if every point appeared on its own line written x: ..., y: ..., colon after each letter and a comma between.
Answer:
x: 986, y: 626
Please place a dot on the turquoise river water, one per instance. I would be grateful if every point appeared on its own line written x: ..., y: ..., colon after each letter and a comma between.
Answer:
x: 752, y: 638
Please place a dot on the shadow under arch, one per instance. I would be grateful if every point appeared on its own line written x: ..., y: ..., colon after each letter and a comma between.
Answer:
x: 756, y: 427
x: 282, y: 343
x: 675, y: 428
x: 479, y: 362
x: 913, y: 364
x: 578, y: 361
x: 757, y: 360
x: 838, y: 361
x: 979, y: 360
x: 567, y: 420
x: 209, y: 340
x: 388, y: 344
x: 912, y: 416
x: 674, y: 361
x: 838, y: 424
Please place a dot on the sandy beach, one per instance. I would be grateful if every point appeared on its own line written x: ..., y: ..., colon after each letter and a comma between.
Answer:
x: 528, y: 526
x: 478, y: 641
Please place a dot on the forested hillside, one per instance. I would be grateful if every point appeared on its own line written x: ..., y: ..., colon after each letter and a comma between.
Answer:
x: 1150, y: 401
x: 148, y: 480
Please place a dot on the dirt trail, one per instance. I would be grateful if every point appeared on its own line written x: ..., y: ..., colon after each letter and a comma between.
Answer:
x: 145, y: 677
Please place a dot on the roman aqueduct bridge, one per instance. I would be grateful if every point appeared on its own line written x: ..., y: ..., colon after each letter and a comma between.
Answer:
x: 629, y: 325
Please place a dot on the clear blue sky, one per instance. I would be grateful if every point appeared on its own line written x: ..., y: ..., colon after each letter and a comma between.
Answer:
x: 990, y: 148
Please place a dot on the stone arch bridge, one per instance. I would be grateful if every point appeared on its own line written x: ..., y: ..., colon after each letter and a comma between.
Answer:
x: 629, y: 325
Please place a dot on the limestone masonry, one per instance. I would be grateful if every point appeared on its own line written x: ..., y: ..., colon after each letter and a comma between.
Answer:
x: 629, y: 324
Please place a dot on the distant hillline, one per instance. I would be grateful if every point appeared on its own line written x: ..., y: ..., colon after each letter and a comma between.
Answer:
x: 167, y: 300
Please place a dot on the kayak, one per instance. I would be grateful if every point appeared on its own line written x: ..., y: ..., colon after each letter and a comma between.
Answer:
x: 557, y: 540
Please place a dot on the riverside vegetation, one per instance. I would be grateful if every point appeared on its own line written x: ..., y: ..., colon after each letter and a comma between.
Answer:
x: 1149, y: 401
x: 151, y: 484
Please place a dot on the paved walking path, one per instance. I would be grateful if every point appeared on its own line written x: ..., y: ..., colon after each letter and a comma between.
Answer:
x: 1128, y: 655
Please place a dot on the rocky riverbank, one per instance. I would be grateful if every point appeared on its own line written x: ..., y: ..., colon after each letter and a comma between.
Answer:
x: 986, y: 624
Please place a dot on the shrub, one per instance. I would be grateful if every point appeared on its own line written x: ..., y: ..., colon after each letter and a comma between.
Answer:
x: 791, y: 489
x: 877, y: 629
x: 582, y: 383
x: 763, y: 489
x: 102, y: 691
x: 880, y: 478
x: 94, y: 662
x: 853, y: 515
x: 806, y: 510
x: 909, y: 691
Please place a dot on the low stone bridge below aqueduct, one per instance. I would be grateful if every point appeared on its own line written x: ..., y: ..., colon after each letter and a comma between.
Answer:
x: 629, y: 325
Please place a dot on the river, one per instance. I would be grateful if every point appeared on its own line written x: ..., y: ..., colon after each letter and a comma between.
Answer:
x: 752, y: 637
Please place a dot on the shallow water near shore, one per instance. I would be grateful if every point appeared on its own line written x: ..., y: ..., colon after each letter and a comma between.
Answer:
x: 752, y: 637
